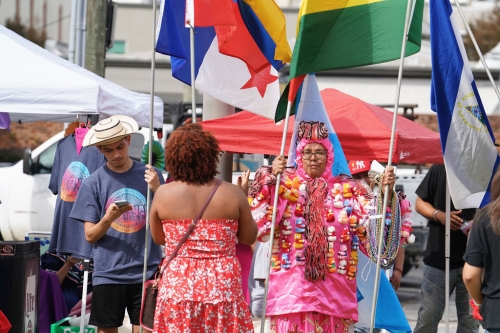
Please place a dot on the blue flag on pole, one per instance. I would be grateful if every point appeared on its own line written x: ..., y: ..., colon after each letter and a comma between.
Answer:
x: 389, y: 314
x: 467, y: 140
x: 310, y: 107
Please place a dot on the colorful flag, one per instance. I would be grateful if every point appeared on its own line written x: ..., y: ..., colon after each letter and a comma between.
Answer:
x: 467, y: 140
x: 311, y: 108
x: 342, y: 34
x: 266, y: 23
x: 229, y: 64
x: 289, y: 95
x: 387, y: 302
x: 201, y: 13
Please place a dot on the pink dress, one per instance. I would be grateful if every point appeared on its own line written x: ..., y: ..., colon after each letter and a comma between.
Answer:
x: 200, y: 290
x: 296, y: 304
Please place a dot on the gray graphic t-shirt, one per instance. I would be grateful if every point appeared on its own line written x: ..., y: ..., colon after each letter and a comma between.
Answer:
x: 119, y: 254
x: 68, y: 172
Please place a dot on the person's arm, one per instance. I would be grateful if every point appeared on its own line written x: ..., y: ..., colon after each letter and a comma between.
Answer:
x: 95, y: 231
x: 428, y: 211
x: 247, y: 228
x: 397, y: 271
x: 151, y: 177
x: 243, y: 181
x: 155, y: 223
x: 389, y: 178
x: 472, y: 279
x: 64, y: 270
x: 279, y: 165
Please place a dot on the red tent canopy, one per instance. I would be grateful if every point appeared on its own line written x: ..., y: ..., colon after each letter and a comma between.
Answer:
x: 364, y: 130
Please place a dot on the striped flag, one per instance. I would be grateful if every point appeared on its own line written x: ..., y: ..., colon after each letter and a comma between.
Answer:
x: 201, y: 13
x: 389, y: 314
x: 310, y: 107
x: 235, y: 63
x: 352, y: 33
x: 467, y: 140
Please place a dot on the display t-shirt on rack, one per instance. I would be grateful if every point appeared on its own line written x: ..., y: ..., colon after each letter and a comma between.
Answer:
x: 68, y: 172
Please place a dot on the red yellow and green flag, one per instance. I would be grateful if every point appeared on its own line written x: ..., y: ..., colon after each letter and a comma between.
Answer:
x: 335, y: 34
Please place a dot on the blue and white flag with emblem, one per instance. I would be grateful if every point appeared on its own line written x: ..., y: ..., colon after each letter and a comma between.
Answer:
x: 467, y: 140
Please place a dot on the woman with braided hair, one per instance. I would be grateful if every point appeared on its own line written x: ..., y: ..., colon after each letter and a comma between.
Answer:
x: 320, y: 224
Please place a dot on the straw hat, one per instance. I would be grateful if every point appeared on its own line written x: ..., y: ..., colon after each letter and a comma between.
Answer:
x: 110, y: 130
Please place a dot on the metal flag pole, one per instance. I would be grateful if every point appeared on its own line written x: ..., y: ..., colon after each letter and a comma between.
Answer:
x: 193, y: 69
x: 447, y: 259
x: 409, y: 10
x: 273, y: 221
x: 150, y: 152
x: 469, y: 31
x: 72, y: 28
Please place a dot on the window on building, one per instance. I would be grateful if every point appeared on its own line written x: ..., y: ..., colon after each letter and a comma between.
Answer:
x: 118, y: 47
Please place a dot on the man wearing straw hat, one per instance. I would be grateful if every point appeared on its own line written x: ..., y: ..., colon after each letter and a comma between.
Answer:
x: 112, y: 204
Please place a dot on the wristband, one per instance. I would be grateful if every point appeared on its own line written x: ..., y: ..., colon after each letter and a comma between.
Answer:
x: 434, y: 215
x: 397, y: 269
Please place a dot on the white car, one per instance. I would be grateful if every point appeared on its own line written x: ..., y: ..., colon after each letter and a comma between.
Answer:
x: 26, y: 203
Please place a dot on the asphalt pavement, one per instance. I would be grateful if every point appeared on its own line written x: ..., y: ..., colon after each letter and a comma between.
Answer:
x: 409, y: 296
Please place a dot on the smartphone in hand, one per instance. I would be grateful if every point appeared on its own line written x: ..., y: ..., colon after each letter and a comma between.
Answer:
x: 121, y: 203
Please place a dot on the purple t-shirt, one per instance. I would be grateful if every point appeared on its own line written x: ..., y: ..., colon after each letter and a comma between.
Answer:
x: 68, y: 172
x: 119, y: 254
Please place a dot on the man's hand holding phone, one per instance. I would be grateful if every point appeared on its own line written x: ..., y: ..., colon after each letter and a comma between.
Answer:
x: 116, y: 209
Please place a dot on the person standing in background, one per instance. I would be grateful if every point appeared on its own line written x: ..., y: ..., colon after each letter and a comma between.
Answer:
x: 200, y: 288
x: 431, y: 204
x: 112, y: 205
x: 482, y: 268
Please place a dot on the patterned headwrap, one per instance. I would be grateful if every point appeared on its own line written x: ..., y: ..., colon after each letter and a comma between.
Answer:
x: 310, y: 132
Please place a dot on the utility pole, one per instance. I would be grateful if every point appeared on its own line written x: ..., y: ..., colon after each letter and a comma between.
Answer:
x: 95, y: 50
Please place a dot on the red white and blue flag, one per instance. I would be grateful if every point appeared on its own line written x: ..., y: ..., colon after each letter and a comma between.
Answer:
x: 235, y: 51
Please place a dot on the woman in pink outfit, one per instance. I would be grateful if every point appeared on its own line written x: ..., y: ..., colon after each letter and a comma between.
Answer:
x: 321, y: 223
x: 200, y: 290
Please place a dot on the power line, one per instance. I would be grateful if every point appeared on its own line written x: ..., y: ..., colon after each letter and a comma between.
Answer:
x: 53, y: 22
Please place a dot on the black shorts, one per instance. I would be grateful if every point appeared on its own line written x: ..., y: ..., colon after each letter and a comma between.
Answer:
x: 109, y: 302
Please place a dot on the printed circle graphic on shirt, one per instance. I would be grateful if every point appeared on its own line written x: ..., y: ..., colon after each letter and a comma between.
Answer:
x: 133, y: 220
x: 72, y: 179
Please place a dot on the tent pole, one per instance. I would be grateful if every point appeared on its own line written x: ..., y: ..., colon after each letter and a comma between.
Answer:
x: 273, y: 221
x: 409, y: 11
x: 447, y: 259
x: 150, y: 151
x: 473, y: 39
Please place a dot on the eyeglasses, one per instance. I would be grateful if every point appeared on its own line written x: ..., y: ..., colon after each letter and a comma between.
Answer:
x: 320, y: 155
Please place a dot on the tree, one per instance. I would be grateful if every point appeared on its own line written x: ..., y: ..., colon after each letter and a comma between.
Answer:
x: 486, y: 30
x: 30, y: 33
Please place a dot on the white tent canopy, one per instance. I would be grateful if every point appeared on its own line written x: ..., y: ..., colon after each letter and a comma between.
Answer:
x: 36, y: 85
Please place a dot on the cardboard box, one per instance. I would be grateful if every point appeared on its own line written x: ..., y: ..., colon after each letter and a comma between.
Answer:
x: 62, y: 326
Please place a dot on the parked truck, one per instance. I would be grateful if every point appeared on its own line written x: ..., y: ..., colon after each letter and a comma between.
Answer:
x: 407, y: 181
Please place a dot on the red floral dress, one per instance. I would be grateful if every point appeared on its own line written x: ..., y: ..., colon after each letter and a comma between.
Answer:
x: 200, y: 290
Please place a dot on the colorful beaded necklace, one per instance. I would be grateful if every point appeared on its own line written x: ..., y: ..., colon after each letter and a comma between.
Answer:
x: 392, y: 232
